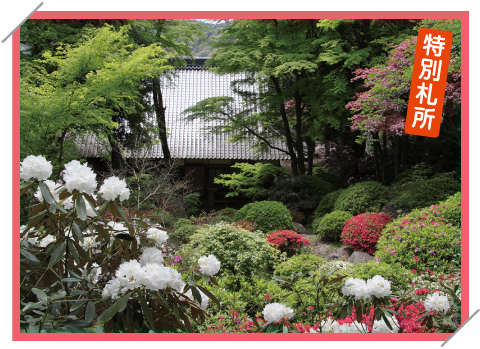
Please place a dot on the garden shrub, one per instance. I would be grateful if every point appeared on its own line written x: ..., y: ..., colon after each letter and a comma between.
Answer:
x: 451, y: 210
x: 299, y: 193
x: 362, y: 232
x: 302, y: 263
x: 362, y: 197
x: 315, y: 223
x: 267, y: 216
x: 401, y: 278
x: 183, y: 230
x: 421, y: 240
x: 227, y: 211
x: 425, y: 192
x: 335, y: 266
x: 287, y: 241
x: 219, y: 219
x: 326, y: 203
x: 192, y: 201
x: 238, y: 250
x: 165, y: 218
x: 297, y: 216
x: 334, y: 180
x: 244, y: 225
x: 331, y: 225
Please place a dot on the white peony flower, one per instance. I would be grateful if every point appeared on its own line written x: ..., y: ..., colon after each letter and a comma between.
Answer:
x: 36, y: 167
x: 80, y: 177
x: 159, y: 236
x: 151, y: 255
x: 112, y: 288
x: 67, y: 203
x: 131, y: 275
x: 378, y: 287
x: 113, y: 187
x: 436, y: 302
x: 274, y: 312
x: 116, y: 227
x: 209, y: 265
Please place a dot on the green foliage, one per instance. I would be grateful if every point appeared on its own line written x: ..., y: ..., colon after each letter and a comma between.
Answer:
x: 451, y: 210
x: 184, y: 229
x: 193, y: 202
x: 332, y: 224
x: 302, y: 263
x: 334, y: 180
x: 362, y: 197
x: 250, y: 180
x: 401, y: 278
x: 421, y: 240
x: 418, y: 172
x: 239, y: 251
x: 326, y: 204
x: 425, y: 192
x: 218, y: 219
x: 227, y: 211
x: 299, y: 193
x: 267, y: 216
x: 165, y: 218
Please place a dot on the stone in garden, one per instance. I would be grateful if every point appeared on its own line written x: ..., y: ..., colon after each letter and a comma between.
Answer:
x: 297, y: 227
x: 360, y: 257
x: 340, y: 253
x: 392, y: 210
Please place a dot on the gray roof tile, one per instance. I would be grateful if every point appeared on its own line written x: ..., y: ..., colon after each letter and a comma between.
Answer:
x: 188, y: 140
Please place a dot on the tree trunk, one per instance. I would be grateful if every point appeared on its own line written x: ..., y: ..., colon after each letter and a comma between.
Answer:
x: 377, y: 157
x: 384, y: 159
x: 298, y: 132
x: 396, y: 156
x: 310, y: 154
x: 117, y: 157
x: 160, y: 112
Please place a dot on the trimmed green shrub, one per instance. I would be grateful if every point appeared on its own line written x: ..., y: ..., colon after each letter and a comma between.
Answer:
x: 451, y: 210
x: 183, y: 230
x: 331, y: 225
x: 303, y: 263
x: 421, y: 240
x: 238, y: 250
x: 192, y: 201
x: 401, y: 278
x: 218, y: 219
x: 267, y: 216
x: 362, y: 197
x: 301, y: 193
x: 326, y: 203
x: 425, y: 192
x: 315, y: 223
x: 362, y: 232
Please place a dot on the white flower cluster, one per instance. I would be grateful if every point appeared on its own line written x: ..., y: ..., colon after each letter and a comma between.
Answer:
x: 113, y: 187
x: 116, y: 228
x: 36, y: 167
x: 376, y: 286
x: 274, y: 312
x: 436, y: 302
x: 89, y: 242
x: 379, y: 326
x: 52, y: 187
x: 47, y: 240
x: 154, y: 276
x: 209, y: 265
x: 80, y: 177
x: 335, y: 265
x: 205, y: 299
x: 151, y: 255
x: 94, y: 273
x: 159, y: 236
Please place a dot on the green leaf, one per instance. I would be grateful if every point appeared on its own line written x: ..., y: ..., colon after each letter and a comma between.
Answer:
x: 42, y: 296
x: 123, y: 236
x: 112, y: 310
x: 209, y: 294
x: 146, y: 309
x: 45, y: 193
x: 57, y: 255
x: 25, y: 187
x: 122, y: 213
x: 90, y: 312
x: 31, y: 258
x: 196, y: 295
x: 78, y: 232
x: 175, y: 311
x: 74, y: 253
x: 78, y: 304
x: 81, y: 208
x: 71, y: 280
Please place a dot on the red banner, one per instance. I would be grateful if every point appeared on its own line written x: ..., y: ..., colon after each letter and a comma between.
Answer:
x: 429, y: 79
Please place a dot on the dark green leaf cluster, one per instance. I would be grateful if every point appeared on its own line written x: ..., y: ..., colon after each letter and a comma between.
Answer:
x: 267, y: 216
x: 331, y: 225
x: 362, y: 197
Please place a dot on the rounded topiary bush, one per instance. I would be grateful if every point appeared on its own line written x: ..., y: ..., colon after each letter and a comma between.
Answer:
x: 238, y: 250
x: 362, y: 197
x: 303, y: 263
x: 326, y: 203
x: 267, y: 216
x: 362, y: 232
x: 287, y: 241
x: 401, y: 278
x: 331, y: 225
x: 421, y: 240
x: 425, y: 192
x: 219, y: 219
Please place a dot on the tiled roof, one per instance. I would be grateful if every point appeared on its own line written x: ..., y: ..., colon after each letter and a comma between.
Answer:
x: 188, y: 139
